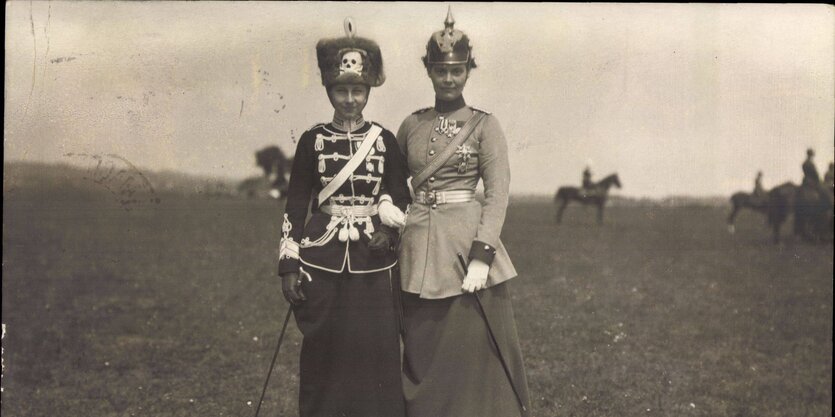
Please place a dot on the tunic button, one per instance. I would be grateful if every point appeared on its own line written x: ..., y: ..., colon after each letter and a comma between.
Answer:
x: 486, y: 247
x: 432, y: 152
x: 431, y: 179
x: 434, y: 139
x: 434, y: 206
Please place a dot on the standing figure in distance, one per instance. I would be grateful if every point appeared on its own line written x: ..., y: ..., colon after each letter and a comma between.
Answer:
x: 350, y: 354
x: 450, y: 366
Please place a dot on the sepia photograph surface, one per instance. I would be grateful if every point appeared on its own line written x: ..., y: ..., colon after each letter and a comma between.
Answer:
x: 652, y: 185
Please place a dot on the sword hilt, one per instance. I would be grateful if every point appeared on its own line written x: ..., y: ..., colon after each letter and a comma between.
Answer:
x: 463, y: 262
x: 302, y: 275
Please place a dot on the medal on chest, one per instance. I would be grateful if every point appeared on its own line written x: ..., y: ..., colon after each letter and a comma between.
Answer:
x: 465, y: 153
x: 447, y: 127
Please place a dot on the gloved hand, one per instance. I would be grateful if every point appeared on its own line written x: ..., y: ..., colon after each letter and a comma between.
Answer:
x: 382, y: 239
x: 291, y: 286
x: 476, y: 278
x: 390, y: 215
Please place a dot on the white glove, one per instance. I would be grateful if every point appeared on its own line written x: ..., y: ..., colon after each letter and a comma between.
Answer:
x: 476, y: 276
x: 390, y: 215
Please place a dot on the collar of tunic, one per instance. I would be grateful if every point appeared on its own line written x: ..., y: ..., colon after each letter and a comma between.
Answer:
x: 449, y: 106
x: 348, y: 125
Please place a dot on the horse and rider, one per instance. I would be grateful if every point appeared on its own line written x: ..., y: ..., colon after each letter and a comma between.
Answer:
x: 590, y: 193
x: 814, y: 201
x: 811, y: 203
x: 756, y: 201
x: 274, y: 182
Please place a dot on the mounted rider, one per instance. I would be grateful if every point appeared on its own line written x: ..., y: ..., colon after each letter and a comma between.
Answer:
x: 812, y: 180
x: 588, y: 188
x: 759, y: 194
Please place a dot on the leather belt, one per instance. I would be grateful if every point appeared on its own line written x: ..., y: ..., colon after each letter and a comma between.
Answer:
x: 349, y: 211
x: 444, y: 197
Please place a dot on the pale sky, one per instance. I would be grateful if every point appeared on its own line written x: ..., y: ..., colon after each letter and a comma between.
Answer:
x: 678, y: 99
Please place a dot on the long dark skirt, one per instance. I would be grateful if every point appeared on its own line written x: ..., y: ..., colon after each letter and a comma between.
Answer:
x: 451, y: 367
x: 350, y: 355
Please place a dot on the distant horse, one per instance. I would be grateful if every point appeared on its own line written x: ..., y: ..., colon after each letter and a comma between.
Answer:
x: 276, y: 175
x: 597, y: 196
x: 780, y: 205
x: 813, y: 219
x: 813, y: 214
x: 743, y: 200
x: 276, y: 169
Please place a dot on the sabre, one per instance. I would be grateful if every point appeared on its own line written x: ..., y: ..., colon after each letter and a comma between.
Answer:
x: 278, y: 345
x: 398, y: 298
x: 493, y: 338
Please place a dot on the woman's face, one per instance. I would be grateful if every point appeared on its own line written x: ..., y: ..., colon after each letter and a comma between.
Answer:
x: 348, y: 99
x: 449, y: 80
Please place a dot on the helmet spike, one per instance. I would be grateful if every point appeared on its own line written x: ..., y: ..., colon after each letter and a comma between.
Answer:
x: 450, y: 21
x: 448, y: 45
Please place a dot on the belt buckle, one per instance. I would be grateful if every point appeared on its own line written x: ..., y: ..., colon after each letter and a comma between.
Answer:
x: 430, y: 197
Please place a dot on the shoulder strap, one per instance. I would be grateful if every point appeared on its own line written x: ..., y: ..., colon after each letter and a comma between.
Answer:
x: 450, y: 149
x: 352, y: 164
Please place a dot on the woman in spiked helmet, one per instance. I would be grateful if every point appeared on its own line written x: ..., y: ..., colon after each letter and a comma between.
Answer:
x: 336, y: 267
x: 461, y: 350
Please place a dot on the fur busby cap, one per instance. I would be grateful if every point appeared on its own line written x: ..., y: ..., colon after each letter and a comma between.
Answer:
x: 350, y: 59
x: 449, y: 46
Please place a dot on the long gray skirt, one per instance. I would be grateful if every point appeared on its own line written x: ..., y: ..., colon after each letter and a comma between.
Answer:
x: 450, y: 365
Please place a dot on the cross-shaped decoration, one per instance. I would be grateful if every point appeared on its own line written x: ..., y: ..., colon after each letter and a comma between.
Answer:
x: 464, y: 153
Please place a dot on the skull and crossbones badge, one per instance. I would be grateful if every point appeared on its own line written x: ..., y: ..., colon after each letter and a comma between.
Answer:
x: 351, y: 62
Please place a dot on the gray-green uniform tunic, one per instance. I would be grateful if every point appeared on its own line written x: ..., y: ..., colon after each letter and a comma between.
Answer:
x: 450, y: 366
x: 434, y: 235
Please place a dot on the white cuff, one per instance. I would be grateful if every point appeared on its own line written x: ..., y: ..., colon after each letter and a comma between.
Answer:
x: 288, y: 249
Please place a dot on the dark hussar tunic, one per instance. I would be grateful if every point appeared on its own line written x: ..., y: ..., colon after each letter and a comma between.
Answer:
x: 321, y: 153
x: 350, y: 363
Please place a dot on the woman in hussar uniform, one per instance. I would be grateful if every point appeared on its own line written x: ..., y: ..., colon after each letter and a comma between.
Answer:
x: 451, y: 367
x: 336, y: 268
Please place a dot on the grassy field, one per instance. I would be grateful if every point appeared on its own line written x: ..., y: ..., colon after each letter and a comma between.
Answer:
x: 173, y: 309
